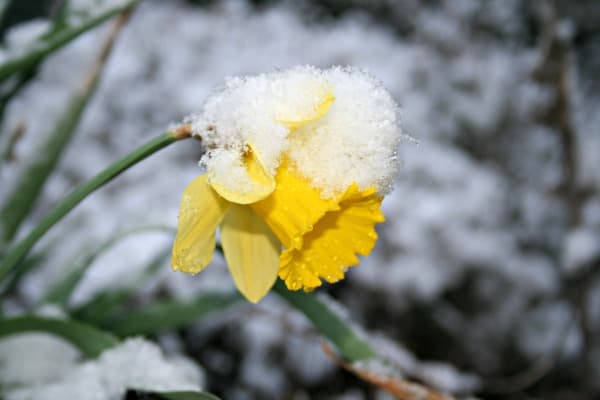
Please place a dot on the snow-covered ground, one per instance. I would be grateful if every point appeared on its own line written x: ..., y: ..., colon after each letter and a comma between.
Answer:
x: 483, y: 244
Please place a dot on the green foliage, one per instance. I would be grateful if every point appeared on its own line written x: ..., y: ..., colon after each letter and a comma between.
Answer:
x: 185, y: 395
x: 29, y: 264
x: 31, y: 182
x: 169, y: 314
x: 102, y: 306
x: 86, y: 338
x: 105, y: 304
x: 348, y: 342
x: 39, y: 167
x: 61, y: 291
x: 16, y: 254
x: 55, y: 40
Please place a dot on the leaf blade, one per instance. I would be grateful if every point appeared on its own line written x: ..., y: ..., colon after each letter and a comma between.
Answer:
x: 61, y: 291
x: 185, y: 395
x: 350, y: 345
x: 13, y: 257
x: 56, y: 41
x: 86, y: 338
x: 105, y: 303
x: 33, y: 178
x: 171, y: 314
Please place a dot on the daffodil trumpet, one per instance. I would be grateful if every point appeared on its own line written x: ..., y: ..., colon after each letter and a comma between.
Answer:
x: 297, y: 166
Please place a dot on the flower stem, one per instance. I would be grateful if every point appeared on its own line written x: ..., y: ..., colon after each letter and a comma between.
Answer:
x: 340, y: 332
x: 17, y: 253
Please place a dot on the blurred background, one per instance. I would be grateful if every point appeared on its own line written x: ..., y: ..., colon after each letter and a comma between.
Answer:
x: 486, y: 278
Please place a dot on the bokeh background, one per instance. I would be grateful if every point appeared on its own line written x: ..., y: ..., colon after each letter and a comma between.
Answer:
x: 486, y: 279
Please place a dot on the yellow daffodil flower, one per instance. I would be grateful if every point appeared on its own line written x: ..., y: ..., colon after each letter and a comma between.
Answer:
x: 276, y: 217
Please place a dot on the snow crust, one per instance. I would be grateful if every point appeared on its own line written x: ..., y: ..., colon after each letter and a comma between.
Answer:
x: 354, y: 142
x: 134, y: 364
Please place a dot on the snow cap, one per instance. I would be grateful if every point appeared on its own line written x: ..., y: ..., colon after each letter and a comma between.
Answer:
x: 337, y: 127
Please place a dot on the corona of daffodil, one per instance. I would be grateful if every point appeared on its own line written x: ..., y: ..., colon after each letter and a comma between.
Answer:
x: 297, y: 163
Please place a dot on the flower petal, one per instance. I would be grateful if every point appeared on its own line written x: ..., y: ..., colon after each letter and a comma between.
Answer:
x: 262, y: 183
x: 323, y: 94
x: 200, y: 212
x: 251, y: 250
x: 293, y: 208
x: 331, y: 247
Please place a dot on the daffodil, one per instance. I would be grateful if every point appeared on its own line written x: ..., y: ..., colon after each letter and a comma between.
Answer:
x: 297, y: 164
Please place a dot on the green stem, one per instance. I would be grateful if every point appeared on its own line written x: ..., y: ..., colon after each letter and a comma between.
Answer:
x: 350, y: 345
x: 16, y: 254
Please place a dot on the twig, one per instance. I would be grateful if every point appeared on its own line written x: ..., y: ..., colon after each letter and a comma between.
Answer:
x: 399, y: 388
x: 536, y: 371
x: 555, y: 69
x: 15, y: 138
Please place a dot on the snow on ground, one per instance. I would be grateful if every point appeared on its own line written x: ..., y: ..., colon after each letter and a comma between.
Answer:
x: 134, y: 364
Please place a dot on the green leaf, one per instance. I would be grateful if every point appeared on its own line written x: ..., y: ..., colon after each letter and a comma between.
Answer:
x: 185, y: 395
x: 170, y: 314
x: 61, y: 291
x: 101, y: 307
x: 104, y: 304
x: 11, y: 89
x: 3, y: 6
x: 86, y: 338
x: 55, y: 41
x: 15, y: 255
x: 29, y: 264
x: 60, y: 16
x: 335, y: 328
x: 31, y: 182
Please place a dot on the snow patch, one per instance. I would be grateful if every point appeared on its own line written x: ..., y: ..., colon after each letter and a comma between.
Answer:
x: 134, y: 364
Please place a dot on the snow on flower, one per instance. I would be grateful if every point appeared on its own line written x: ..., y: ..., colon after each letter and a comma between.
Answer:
x: 299, y: 158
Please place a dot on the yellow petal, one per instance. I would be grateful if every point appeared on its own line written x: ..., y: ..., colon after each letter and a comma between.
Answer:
x: 200, y: 212
x: 323, y: 95
x: 262, y: 183
x: 331, y: 247
x: 293, y: 208
x: 251, y: 251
